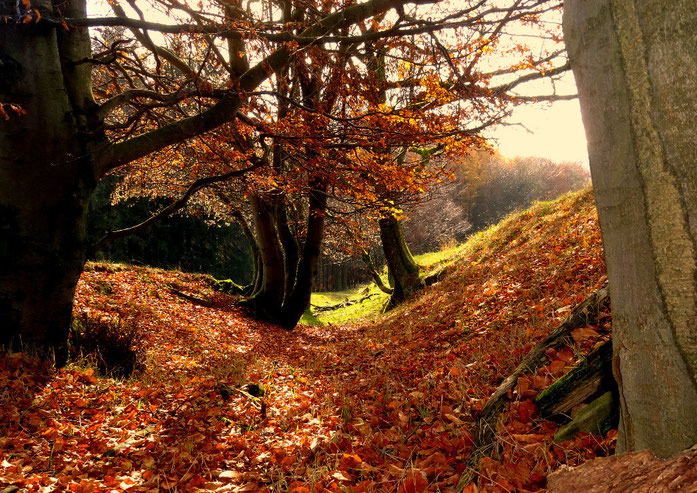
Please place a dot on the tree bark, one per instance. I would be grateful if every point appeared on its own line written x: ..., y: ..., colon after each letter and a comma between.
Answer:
x: 291, y: 250
x: 299, y: 299
x: 401, y: 266
x: 268, y: 300
x: 46, y: 179
x: 636, y: 72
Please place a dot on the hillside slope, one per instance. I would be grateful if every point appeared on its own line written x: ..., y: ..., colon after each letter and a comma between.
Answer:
x: 384, y: 406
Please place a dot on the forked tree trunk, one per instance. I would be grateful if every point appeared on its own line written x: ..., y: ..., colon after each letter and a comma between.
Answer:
x: 279, y: 299
x: 291, y: 251
x: 401, y: 266
x: 46, y: 179
x: 268, y: 298
x: 636, y: 72
x: 298, y: 299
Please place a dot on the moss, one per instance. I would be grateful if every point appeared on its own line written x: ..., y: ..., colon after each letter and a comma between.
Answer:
x: 598, y: 417
x: 228, y: 286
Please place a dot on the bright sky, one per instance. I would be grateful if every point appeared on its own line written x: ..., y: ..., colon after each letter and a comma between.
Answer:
x: 553, y: 131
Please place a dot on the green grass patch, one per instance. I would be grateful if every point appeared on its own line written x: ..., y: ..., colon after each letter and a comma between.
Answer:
x: 309, y: 318
x: 366, y: 310
x: 334, y: 297
x: 439, y: 258
x: 369, y: 308
x: 475, y: 249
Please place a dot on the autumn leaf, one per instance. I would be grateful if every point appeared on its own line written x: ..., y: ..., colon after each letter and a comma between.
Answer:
x: 526, y: 409
x: 300, y: 489
x: 557, y: 366
x: 349, y: 461
x: 415, y: 482
x: 583, y: 333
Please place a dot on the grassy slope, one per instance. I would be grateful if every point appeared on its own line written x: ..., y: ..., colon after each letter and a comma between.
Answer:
x: 381, y: 406
x: 430, y: 262
x: 369, y: 309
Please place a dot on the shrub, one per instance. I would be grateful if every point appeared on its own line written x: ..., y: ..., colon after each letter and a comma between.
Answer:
x: 112, y: 345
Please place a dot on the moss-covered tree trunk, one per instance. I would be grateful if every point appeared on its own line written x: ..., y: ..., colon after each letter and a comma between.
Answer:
x: 636, y: 71
x: 401, y: 266
x: 46, y: 179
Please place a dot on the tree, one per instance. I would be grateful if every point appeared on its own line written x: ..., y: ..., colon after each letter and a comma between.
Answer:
x: 635, y: 69
x: 57, y: 140
x: 336, y: 124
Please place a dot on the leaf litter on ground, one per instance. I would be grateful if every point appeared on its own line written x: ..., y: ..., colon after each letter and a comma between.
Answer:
x: 384, y: 406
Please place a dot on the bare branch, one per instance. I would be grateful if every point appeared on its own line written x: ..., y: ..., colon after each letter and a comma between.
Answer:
x: 226, y: 109
x: 175, y: 206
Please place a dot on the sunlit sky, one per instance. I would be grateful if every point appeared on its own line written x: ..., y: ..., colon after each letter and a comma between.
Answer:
x: 552, y: 130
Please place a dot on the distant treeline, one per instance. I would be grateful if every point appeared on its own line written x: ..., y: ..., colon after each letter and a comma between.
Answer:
x: 182, y: 241
x: 486, y: 188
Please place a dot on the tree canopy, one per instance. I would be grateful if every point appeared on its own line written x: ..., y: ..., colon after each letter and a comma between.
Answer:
x: 317, y: 99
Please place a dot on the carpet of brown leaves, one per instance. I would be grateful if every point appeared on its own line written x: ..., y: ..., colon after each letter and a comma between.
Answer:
x: 382, y: 407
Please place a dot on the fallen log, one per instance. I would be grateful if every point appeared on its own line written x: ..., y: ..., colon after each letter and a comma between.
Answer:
x: 585, y: 313
x: 589, y: 379
x: 638, y: 472
x: 598, y: 417
x: 343, y: 304
x: 193, y: 299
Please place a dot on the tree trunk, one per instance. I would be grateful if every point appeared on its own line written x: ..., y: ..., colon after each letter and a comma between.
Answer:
x: 636, y: 72
x: 45, y: 182
x: 299, y: 299
x: 402, y: 269
x: 367, y: 259
x: 289, y: 242
x: 268, y: 299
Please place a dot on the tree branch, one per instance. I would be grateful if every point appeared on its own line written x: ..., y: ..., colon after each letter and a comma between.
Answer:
x: 374, y: 273
x: 226, y: 109
x: 173, y: 207
x: 532, y: 76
